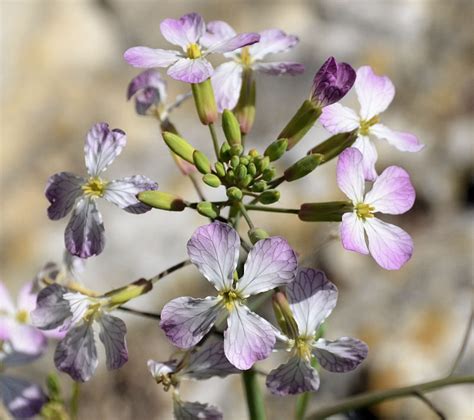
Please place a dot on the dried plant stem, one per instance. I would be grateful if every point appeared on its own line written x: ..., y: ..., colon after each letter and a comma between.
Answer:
x: 463, y: 347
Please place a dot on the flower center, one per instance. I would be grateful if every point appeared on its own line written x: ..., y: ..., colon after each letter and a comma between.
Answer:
x: 22, y: 316
x: 365, y: 125
x: 94, y: 187
x: 193, y: 51
x: 92, y: 312
x: 303, y: 347
x: 364, y: 211
x: 230, y: 297
x: 245, y: 57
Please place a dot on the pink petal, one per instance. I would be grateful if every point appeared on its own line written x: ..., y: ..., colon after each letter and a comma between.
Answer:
x: 272, y: 41
x: 191, y: 70
x: 27, y: 339
x: 280, y: 68
x: 234, y: 43
x: 216, y: 31
x: 227, y: 82
x: 6, y: 303
x: 406, y: 142
x: 184, y: 31
x: 369, y: 153
x: 352, y: 234
x: 27, y: 297
x: 349, y: 174
x: 339, y: 119
x: 144, y: 57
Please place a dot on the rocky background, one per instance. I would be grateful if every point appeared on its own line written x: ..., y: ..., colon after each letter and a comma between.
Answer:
x: 62, y: 71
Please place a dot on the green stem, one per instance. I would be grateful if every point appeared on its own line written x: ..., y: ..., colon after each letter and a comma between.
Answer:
x: 254, y: 396
x: 272, y: 209
x: 215, y: 142
x: 245, y: 214
x: 75, y: 400
x: 301, y: 405
x: 276, y: 182
x: 376, y: 397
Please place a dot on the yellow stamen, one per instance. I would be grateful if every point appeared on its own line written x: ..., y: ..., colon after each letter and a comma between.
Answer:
x: 230, y: 297
x: 364, y: 211
x: 94, y: 187
x: 366, y: 124
x: 22, y: 316
x: 303, y: 347
x: 193, y: 51
x: 245, y: 57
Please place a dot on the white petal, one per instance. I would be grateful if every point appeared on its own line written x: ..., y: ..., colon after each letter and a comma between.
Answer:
x: 369, y: 154
x: 185, y: 410
x: 341, y: 355
x: 191, y: 70
x: 144, y: 57
x: 227, y: 82
x: 339, y: 119
x: 352, y: 234
x: 112, y: 334
x: 406, y: 142
x: 349, y: 174
x: 272, y: 41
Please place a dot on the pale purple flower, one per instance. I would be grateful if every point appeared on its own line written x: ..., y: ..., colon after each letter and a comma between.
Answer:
x: 312, y: 297
x: 214, y: 249
x: 76, y: 354
x: 375, y: 93
x: 227, y: 79
x: 148, y: 88
x: 391, y: 193
x: 189, y: 65
x: 84, y: 235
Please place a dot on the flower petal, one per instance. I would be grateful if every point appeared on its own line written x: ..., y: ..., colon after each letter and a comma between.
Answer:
x: 392, y: 192
x: 342, y: 355
x: 21, y: 398
x: 375, y: 93
x: 185, y: 410
x: 160, y: 370
x: 112, y: 334
x: 183, y: 31
x: 52, y: 310
x: 337, y: 118
x: 62, y: 191
x: 293, y: 377
x: 102, y: 147
x: 27, y: 339
x: 186, y: 320
x: 13, y: 358
x: 272, y: 41
x: 406, y: 142
x: 312, y: 297
x: 122, y: 192
x: 149, y: 88
x: 233, y: 43
x: 349, y: 174
x: 84, y: 235
x: 248, y: 338
x: 227, y: 82
x: 281, y: 67
x: 191, y: 70
x: 6, y: 302
x: 214, y: 249
x: 216, y: 31
x: 270, y: 263
x: 26, y: 299
x: 352, y: 234
x: 76, y: 354
x: 390, y: 246
x: 144, y: 57
x: 369, y: 156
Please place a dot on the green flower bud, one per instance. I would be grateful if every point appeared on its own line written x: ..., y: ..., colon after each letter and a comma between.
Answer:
x: 211, y: 180
x: 269, y: 197
x: 224, y: 152
x: 334, y: 145
x: 259, y: 186
x: 246, y: 181
x: 162, y: 200
x: 230, y: 176
x: 276, y: 150
x: 241, y: 172
x: 205, y: 101
x: 122, y: 295
x: 234, y: 161
x: 234, y: 193
x: 231, y: 128
x: 207, y: 209
x: 179, y: 146
x: 245, y: 109
x: 256, y: 234
x: 269, y: 174
x: 253, y: 153
x: 54, y: 387
x: 303, y: 167
x: 284, y: 316
x: 236, y: 150
x: 252, y: 169
x: 244, y: 160
x: 220, y: 169
x: 325, y: 212
x: 201, y: 162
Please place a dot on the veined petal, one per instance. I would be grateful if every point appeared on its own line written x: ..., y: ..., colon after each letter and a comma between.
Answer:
x: 227, y: 82
x: 233, y: 43
x: 183, y: 31
x: 337, y: 118
x: 21, y: 398
x: 349, y: 174
x: 272, y: 41
x: 52, y: 310
x: 62, y: 191
x: 352, y: 234
x: 185, y: 410
x: 279, y: 68
x: 342, y: 355
x: 248, y: 337
x: 79, y: 304
x: 312, y: 297
x: 144, y: 57
x: 186, y: 320
x: 375, y: 93
x: 102, y: 147
x: 76, y: 354
x: 150, y: 78
x: 84, y: 235
x: 392, y: 192
x: 390, y: 246
x: 27, y: 339
x: 214, y: 249
x: 406, y: 142
x: 293, y: 377
x: 122, y: 192
x: 369, y: 156
x: 6, y: 302
x: 112, y: 334
x: 159, y: 370
x: 191, y: 70
x: 270, y: 263
x: 216, y: 31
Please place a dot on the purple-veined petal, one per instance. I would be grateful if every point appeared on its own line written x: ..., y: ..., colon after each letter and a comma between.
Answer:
x: 234, y: 43
x: 406, y: 142
x: 390, y: 245
x: 76, y: 354
x: 270, y: 263
x: 112, y: 334
x: 185, y: 410
x: 248, y: 337
x: 144, y: 57
x: 375, y: 93
x: 62, y: 191
x: 337, y: 118
x: 272, y: 41
x: 102, y: 147
x: 9, y: 357
x: 341, y: 355
x: 150, y: 78
x: 183, y: 31
x: 312, y: 297
x: 392, y: 192
x: 352, y: 233
x: 122, y: 192
x: 21, y: 398
x: 52, y: 310
x: 84, y: 235
x: 186, y: 320
x: 6, y: 302
x: 209, y: 360
x: 293, y: 377
x: 26, y: 338
x: 279, y: 68
x: 369, y: 156
x: 214, y: 250
x: 79, y: 305
x: 227, y: 82
x: 349, y: 174
x: 191, y: 70
x: 216, y: 31
x: 161, y: 370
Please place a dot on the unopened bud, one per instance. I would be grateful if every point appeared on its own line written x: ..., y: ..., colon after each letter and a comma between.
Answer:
x: 253, y: 153
x: 256, y: 234
x: 230, y: 176
x: 122, y: 295
x: 284, y: 316
x: 234, y: 161
x: 241, y: 172
x: 245, y: 109
x: 179, y: 146
x: 268, y: 174
x: 259, y: 186
x: 220, y: 169
x: 269, y: 197
x: 211, y: 180
x: 162, y: 200
x: 205, y: 101
x: 207, y: 209
x: 262, y: 163
x: 246, y: 181
x: 325, y: 212
x: 224, y: 152
x: 334, y: 145
x: 236, y: 150
x: 202, y: 162
x: 234, y: 193
x: 231, y: 128
x: 303, y: 167
x: 252, y: 169
x: 276, y: 150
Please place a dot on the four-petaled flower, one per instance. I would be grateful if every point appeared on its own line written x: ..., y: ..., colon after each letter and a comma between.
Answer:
x: 312, y: 297
x: 391, y: 193
x: 190, y: 65
x: 227, y: 79
x: 149, y: 89
x: 84, y: 235
x: 375, y: 93
x: 214, y: 249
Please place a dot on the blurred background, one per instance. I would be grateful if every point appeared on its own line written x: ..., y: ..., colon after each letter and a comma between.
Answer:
x: 62, y: 71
